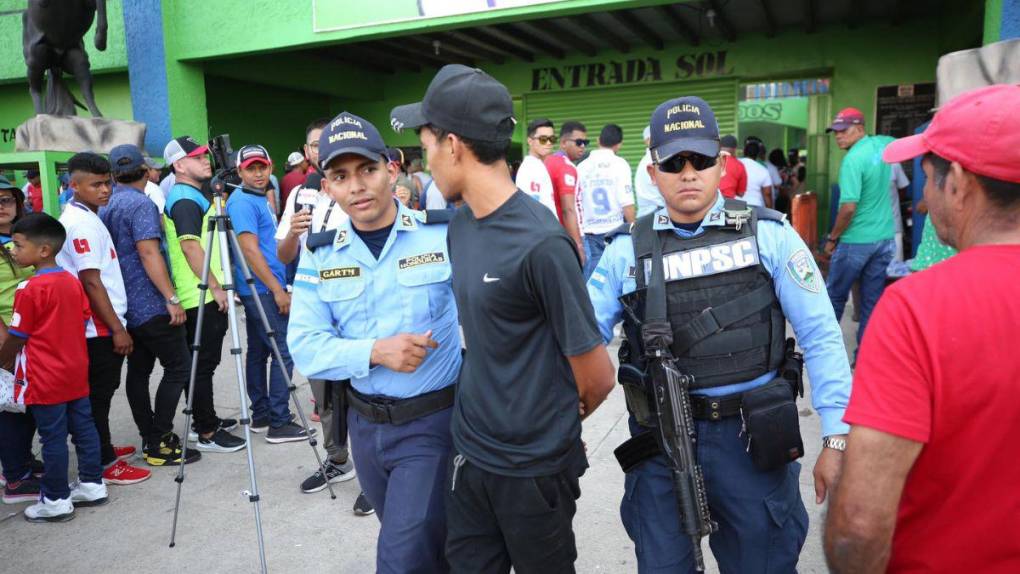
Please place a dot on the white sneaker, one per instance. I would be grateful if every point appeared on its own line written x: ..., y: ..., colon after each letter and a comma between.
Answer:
x: 46, y: 510
x: 89, y: 494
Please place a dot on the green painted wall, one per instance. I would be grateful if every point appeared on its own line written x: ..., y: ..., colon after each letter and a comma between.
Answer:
x: 993, y: 21
x: 12, y: 58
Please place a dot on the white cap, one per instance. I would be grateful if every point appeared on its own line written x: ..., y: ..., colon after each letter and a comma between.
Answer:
x: 295, y: 158
x: 647, y: 133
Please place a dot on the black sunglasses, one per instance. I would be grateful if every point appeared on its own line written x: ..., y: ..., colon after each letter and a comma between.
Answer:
x: 676, y: 163
x: 547, y: 140
x: 581, y: 142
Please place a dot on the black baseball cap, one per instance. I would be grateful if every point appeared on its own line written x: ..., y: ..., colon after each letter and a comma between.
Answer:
x: 250, y: 154
x: 461, y: 100
x: 683, y: 124
x: 348, y: 133
x: 182, y: 147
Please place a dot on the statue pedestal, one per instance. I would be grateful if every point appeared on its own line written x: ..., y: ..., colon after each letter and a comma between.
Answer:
x: 74, y: 134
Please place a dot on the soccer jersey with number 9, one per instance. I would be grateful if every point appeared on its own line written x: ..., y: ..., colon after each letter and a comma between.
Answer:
x: 603, y: 190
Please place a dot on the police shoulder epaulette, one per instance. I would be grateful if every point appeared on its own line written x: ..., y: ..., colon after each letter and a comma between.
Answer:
x: 621, y: 230
x: 433, y: 216
x: 764, y: 213
x: 320, y: 239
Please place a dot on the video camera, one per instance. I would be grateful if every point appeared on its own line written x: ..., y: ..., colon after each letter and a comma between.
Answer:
x: 224, y: 163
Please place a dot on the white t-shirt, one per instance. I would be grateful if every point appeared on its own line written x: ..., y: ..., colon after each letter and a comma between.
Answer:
x: 758, y: 178
x: 648, y: 197
x: 89, y: 246
x: 603, y: 190
x: 321, y: 207
x: 533, y: 179
x: 153, y: 192
x: 899, y: 181
x: 433, y: 197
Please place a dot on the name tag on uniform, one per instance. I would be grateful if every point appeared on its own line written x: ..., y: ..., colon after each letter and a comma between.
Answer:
x: 709, y: 260
x: 423, y: 259
x: 340, y: 273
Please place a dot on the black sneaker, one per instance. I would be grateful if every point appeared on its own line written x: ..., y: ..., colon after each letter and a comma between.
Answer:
x: 362, y: 507
x: 169, y: 452
x: 259, y: 425
x: 225, y: 425
x: 289, y: 432
x: 335, y: 472
x: 220, y: 441
x: 25, y: 490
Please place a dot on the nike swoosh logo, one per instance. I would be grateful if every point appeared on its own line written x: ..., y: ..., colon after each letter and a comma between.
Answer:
x: 488, y: 279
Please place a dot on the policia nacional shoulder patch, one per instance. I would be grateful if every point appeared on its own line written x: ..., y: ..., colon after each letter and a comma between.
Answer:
x: 423, y: 259
x: 803, y: 271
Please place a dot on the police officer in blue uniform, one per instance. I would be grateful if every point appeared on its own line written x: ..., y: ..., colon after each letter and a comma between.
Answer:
x: 373, y: 304
x: 734, y: 276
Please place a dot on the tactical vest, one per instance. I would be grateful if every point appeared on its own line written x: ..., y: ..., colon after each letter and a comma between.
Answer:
x: 728, y: 325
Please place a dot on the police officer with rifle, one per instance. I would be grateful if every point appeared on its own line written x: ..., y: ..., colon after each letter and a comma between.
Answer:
x: 704, y: 287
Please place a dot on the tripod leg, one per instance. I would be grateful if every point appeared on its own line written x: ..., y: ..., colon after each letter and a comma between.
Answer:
x: 278, y: 357
x: 203, y: 286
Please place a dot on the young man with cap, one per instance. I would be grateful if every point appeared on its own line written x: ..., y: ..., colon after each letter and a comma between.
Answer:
x: 88, y: 253
x: 648, y: 197
x: 933, y: 414
x: 402, y: 358
x: 861, y: 242
x: 256, y: 227
x: 533, y: 352
x: 154, y: 316
x: 563, y: 173
x: 186, y: 220
x: 298, y: 167
x: 734, y: 180
x: 604, y: 194
x: 734, y: 275
x: 532, y: 177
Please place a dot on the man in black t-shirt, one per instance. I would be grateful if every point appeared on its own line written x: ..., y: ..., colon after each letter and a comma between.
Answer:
x: 533, y: 349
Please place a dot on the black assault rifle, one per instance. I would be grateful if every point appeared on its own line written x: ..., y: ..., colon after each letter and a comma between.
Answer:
x: 677, y: 437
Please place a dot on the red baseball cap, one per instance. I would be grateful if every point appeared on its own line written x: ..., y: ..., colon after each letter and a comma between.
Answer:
x: 845, y: 118
x: 979, y: 129
x: 250, y: 154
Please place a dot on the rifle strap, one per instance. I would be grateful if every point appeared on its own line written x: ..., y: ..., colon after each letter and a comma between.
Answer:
x: 636, y: 450
x: 656, y: 332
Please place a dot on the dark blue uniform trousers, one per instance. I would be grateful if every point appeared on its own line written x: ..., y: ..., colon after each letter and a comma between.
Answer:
x: 762, y: 519
x: 402, y: 469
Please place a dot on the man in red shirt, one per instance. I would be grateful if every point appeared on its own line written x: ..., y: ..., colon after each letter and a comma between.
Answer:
x: 734, y: 180
x: 563, y: 172
x: 298, y: 165
x: 931, y: 481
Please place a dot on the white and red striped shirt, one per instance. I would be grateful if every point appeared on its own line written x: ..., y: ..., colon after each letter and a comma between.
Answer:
x: 89, y: 246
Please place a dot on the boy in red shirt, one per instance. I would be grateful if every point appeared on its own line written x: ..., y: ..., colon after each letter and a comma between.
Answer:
x: 931, y: 482
x: 46, y: 347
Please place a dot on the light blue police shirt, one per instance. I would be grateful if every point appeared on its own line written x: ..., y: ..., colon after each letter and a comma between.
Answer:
x: 345, y: 299
x: 801, y: 293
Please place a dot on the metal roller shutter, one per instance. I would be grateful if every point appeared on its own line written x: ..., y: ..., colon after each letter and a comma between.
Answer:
x: 630, y: 107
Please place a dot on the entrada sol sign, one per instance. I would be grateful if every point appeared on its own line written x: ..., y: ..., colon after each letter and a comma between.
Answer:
x: 632, y: 71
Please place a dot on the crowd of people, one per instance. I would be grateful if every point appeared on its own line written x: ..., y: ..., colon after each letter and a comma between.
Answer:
x: 454, y: 324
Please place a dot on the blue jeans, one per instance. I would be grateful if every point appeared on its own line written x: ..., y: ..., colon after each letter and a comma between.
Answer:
x: 273, y: 402
x: 402, y: 469
x: 17, y: 431
x: 865, y: 262
x: 762, y: 519
x: 55, y: 422
x: 594, y: 245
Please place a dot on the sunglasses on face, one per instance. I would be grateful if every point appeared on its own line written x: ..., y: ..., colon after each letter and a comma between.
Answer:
x: 545, y: 140
x: 7, y: 201
x: 676, y: 164
x: 581, y: 142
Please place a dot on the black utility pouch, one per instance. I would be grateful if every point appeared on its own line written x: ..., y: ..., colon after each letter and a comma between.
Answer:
x: 772, y: 425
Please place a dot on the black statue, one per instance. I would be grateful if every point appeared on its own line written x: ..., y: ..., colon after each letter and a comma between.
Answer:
x: 53, y: 32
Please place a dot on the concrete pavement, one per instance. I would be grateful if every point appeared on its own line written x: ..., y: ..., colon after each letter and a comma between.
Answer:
x: 306, y: 532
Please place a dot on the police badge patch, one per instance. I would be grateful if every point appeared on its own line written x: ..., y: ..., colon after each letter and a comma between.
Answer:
x: 803, y: 271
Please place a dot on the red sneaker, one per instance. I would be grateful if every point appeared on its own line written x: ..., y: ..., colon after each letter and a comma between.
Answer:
x: 122, y: 473
x: 124, y: 452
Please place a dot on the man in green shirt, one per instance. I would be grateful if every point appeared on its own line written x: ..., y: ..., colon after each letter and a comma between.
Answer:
x: 186, y: 220
x: 861, y: 241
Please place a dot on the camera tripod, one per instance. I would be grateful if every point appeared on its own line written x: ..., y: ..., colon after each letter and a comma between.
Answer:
x: 223, y: 237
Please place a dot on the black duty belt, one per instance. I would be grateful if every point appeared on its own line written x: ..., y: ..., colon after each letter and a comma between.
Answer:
x: 715, y: 408
x: 400, y: 411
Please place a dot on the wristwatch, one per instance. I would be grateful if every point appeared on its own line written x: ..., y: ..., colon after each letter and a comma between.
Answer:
x: 831, y: 239
x: 175, y: 300
x: 834, y: 443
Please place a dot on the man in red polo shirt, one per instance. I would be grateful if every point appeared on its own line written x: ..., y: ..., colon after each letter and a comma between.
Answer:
x: 563, y: 172
x: 734, y: 180
x: 931, y: 481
